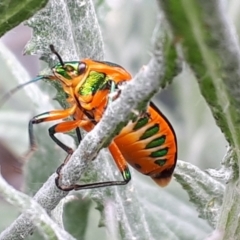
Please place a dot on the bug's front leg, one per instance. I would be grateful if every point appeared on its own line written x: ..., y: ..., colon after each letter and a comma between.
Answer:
x: 43, y: 117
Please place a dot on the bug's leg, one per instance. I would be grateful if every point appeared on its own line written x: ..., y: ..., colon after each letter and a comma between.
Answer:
x: 65, y: 127
x: 43, y: 117
x: 120, y: 162
x: 79, y: 135
x: 60, y: 128
x: 122, y: 166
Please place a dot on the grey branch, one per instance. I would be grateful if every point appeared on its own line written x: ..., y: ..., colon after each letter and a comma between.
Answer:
x: 36, y: 213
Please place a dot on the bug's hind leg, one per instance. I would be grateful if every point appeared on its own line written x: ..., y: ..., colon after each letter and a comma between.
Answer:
x: 122, y: 166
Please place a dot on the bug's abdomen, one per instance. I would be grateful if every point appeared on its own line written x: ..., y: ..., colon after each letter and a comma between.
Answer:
x: 150, y: 146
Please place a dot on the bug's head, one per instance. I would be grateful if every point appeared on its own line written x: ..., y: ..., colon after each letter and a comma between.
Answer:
x: 65, y: 71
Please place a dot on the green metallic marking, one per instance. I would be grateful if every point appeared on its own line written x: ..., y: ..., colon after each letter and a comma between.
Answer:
x: 140, y: 123
x: 126, y: 174
x: 62, y: 71
x: 160, y: 162
x: 159, y: 153
x: 150, y: 131
x: 94, y: 82
x: 156, y: 142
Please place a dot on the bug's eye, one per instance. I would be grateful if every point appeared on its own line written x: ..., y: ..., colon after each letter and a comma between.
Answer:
x: 69, y: 68
x: 81, y: 68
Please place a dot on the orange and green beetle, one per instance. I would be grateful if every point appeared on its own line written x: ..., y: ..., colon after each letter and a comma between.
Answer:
x: 148, y: 143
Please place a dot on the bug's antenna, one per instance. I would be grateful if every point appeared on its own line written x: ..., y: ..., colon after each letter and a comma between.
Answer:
x: 11, y: 92
x: 52, y: 48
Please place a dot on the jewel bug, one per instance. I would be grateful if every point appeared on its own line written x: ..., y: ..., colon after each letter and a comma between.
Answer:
x: 147, y: 143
